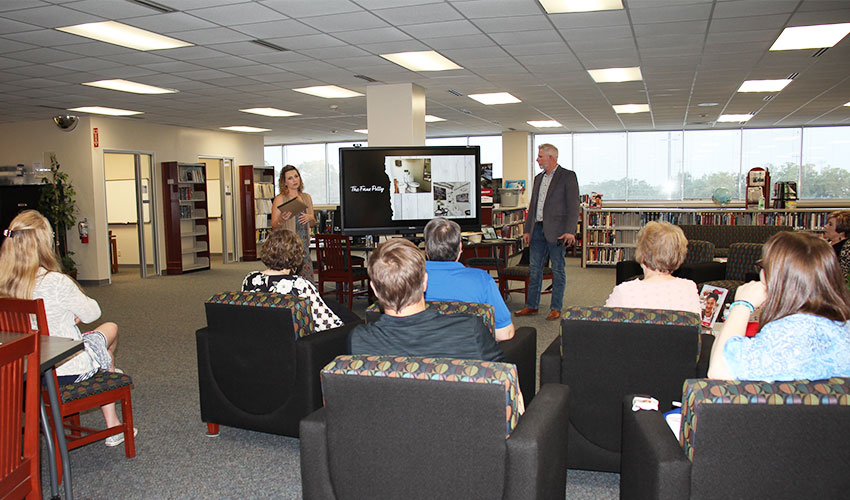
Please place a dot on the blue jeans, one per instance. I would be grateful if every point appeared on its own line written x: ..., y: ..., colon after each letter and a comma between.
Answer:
x: 540, y: 249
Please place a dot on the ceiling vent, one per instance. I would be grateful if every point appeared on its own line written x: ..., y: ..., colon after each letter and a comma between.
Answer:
x: 767, y: 98
x: 820, y: 52
x: 367, y: 78
x: 270, y: 45
x: 793, y: 75
x: 456, y: 92
x: 154, y: 5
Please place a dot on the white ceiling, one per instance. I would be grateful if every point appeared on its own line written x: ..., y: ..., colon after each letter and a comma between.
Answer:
x: 690, y: 52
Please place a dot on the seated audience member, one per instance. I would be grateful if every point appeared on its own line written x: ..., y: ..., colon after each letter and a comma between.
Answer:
x: 835, y: 232
x: 29, y: 270
x: 408, y: 326
x: 661, y: 249
x: 448, y: 279
x: 803, y: 332
x: 283, y: 253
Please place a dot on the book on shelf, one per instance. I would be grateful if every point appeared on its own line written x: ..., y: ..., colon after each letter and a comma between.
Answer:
x: 191, y: 174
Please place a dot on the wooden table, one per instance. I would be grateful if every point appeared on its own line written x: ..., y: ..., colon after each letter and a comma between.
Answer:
x: 52, y: 351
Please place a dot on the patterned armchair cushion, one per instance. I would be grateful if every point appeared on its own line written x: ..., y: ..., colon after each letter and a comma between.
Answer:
x: 699, y: 251
x: 629, y: 315
x: 828, y: 392
x: 442, y: 369
x: 102, y: 381
x: 302, y: 317
x: 742, y: 260
x: 483, y: 311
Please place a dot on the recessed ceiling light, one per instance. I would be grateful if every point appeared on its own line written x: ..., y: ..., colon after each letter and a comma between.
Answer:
x: 362, y: 131
x: 426, y: 60
x: 329, y: 92
x: 494, y: 98
x: 241, y: 128
x: 126, y: 36
x: 734, y: 118
x: 100, y: 110
x: 544, y: 123
x: 128, y: 86
x: 764, y: 85
x: 561, y: 6
x: 631, y: 108
x: 811, y: 37
x: 614, y: 75
x: 432, y: 119
x: 708, y: 104
x: 274, y: 112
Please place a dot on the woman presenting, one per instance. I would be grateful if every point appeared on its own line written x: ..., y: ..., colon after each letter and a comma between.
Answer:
x: 291, y: 187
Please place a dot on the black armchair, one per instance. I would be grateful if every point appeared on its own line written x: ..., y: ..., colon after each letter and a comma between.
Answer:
x: 742, y: 439
x: 423, y: 428
x: 605, y: 353
x: 259, y: 361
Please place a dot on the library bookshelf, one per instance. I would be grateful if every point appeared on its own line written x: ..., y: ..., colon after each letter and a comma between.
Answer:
x: 257, y: 193
x: 187, y: 241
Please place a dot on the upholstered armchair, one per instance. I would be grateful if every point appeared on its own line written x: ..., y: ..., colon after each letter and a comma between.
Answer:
x: 739, y: 268
x: 605, y: 353
x: 742, y: 439
x: 699, y: 252
x: 259, y: 359
x: 520, y: 350
x: 424, y: 428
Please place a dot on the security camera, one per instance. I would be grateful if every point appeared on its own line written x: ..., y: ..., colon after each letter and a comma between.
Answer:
x: 66, y: 123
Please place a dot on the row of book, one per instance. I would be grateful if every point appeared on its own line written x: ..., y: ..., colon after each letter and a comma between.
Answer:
x: 500, y: 217
x: 609, y: 256
x: 263, y: 207
x: 507, y: 232
x: 190, y: 174
x: 262, y: 221
x: 264, y: 190
x: 189, y: 212
x: 186, y: 193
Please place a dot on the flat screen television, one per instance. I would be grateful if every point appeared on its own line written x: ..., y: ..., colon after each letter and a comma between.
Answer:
x: 397, y: 190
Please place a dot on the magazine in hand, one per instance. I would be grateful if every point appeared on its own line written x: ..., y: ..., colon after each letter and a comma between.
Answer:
x: 711, y: 299
x: 295, y: 205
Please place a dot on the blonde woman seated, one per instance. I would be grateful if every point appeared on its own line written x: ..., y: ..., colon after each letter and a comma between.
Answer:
x: 661, y: 249
x: 283, y: 254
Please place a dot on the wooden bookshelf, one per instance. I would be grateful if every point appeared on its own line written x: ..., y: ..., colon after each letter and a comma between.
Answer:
x: 187, y: 241
x: 257, y: 192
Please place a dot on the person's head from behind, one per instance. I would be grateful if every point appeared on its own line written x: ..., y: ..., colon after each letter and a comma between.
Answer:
x: 28, y: 246
x: 442, y: 239
x: 802, y: 275
x: 397, y: 272
x: 661, y: 247
x: 837, y: 225
x: 290, y: 179
x: 283, y: 251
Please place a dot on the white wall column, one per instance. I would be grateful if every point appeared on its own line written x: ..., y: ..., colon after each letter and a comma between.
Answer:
x: 516, y: 160
x: 395, y: 114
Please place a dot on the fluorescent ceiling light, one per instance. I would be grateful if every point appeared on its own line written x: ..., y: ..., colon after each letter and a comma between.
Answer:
x: 126, y: 36
x: 495, y: 98
x: 764, y: 85
x: 708, y: 104
x: 631, y: 108
x: 100, y: 110
x: 362, y: 131
x: 848, y: 104
x: 734, y: 118
x: 561, y: 6
x: 614, y: 75
x: 329, y: 92
x: 128, y: 86
x: 432, y: 119
x: 811, y: 37
x: 274, y: 112
x: 241, y: 128
x: 544, y: 123
x: 426, y: 60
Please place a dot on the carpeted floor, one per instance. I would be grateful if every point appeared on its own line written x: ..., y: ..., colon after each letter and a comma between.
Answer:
x: 157, y: 320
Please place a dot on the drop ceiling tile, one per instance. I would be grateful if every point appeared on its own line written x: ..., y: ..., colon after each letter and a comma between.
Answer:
x: 169, y: 23
x: 41, y: 55
x: 211, y: 36
x: 172, y: 67
x: 204, y: 75
x: 526, y: 37
x: 9, y: 26
x: 51, y: 16
x: 821, y: 17
x: 10, y: 46
x: 376, y: 35
x: 752, y: 23
x: 345, y: 22
x: 126, y: 72
x: 590, y: 19
x: 5, y: 62
x: 441, y: 29
x: 694, y: 28
x: 278, y: 57
x: 534, y: 49
x: 459, y: 42
x: 97, y: 49
x: 110, y: 9
x: 311, y: 8
x: 188, y: 53
x: 224, y: 62
x: 241, y: 13
x: 275, y: 29
x: 86, y: 64
x: 497, y: 8
x: 591, y: 35
x: 392, y: 47
x: 307, y: 42
x: 515, y: 23
x: 416, y: 14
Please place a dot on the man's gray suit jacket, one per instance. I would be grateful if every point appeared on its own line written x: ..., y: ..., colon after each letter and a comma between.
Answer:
x: 561, y: 208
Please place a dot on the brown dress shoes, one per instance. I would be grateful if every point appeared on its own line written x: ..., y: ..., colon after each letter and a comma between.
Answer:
x: 553, y: 315
x: 526, y: 311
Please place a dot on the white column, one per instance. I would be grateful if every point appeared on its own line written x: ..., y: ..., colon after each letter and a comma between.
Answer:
x: 516, y: 160
x: 395, y: 114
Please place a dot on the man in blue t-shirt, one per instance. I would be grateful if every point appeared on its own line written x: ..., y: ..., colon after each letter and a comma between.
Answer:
x: 448, y: 279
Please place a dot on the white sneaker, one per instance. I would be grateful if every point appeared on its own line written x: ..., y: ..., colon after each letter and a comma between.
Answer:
x: 117, y: 439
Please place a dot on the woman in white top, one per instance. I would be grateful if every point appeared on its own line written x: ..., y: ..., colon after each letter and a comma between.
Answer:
x: 29, y: 270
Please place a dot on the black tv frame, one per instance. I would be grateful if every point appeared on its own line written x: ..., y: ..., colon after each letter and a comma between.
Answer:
x: 353, y: 222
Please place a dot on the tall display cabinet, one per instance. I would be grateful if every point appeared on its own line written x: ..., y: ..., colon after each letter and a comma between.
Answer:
x: 187, y: 240
x: 256, y: 186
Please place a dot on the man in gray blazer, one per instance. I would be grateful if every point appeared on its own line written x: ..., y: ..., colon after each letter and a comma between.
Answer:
x: 549, y: 228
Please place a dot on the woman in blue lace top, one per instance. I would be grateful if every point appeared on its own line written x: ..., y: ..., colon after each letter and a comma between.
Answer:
x: 803, y: 331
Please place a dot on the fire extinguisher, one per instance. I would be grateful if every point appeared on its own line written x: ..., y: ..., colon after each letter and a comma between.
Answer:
x: 84, y: 230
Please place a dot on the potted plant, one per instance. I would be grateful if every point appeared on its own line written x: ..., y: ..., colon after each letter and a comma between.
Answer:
x: 58, y: 205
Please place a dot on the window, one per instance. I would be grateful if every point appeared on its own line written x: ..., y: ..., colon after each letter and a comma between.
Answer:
x: 491, y: 151
x: 712, y: 160
x: 655, y: 166
x: 309, y: 159
x: 333, y: 169
x: 600, y: 164
x: 564, y: 143
x: 826, y: 163
x: 776, y: 149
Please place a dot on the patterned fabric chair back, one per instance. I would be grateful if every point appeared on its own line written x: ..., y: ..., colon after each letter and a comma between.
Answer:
x: 699, y: 251
x: 742, y: 260
x: 447, y: 307
x: 302, y: 317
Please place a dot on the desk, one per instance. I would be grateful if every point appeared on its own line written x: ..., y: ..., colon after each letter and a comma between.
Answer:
x: 496, y: 253
x: 53, y: 350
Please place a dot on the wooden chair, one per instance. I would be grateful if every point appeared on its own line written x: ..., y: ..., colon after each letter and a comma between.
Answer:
x: 103, y: 388
x: 334, y: 264
x: 520, y: 272
x: 19, y: 460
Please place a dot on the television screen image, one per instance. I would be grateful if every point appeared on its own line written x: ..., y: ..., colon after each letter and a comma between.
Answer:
x: 397, y: 190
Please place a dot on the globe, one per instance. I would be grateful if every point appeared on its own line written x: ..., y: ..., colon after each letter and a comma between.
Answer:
x: 721, y: 196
